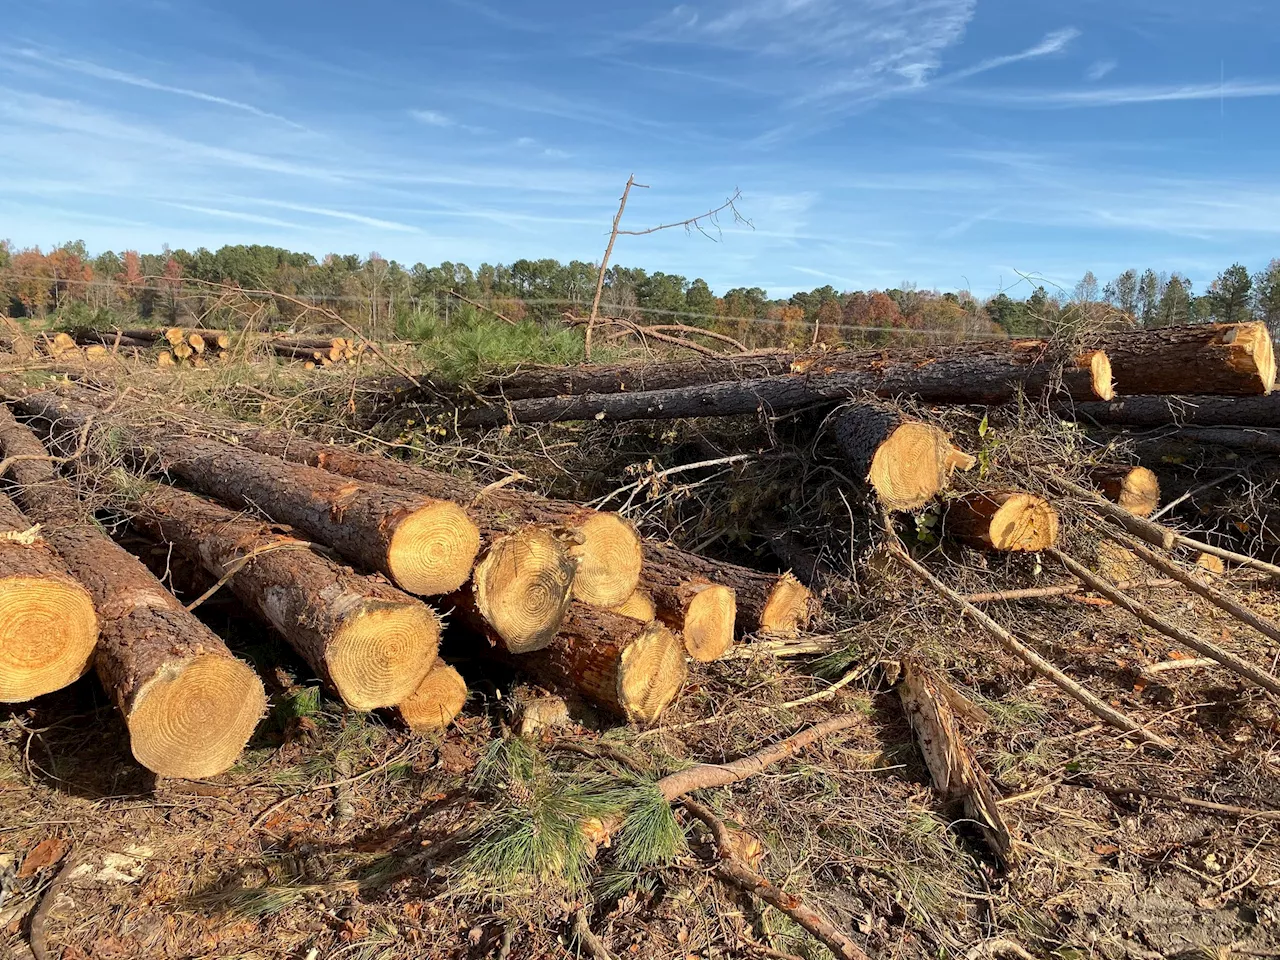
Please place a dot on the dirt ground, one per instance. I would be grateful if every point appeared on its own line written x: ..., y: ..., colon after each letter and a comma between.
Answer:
x: 337, y: 835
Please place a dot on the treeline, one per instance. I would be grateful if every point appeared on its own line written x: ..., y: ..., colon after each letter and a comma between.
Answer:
x: 386, y: 298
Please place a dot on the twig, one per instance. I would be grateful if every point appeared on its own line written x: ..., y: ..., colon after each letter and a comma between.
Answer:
x: 1156, y: 622
x: 586, y: 939
x: 38, y: 932
x: 1061, y: 590
x: 732, y: 870
x: 1223, y: 809
x: 1190, y: 663
x: 1192, y: 492
x: 718, y: 462
x: 481, y: 306
x: 261, y: 818
x: 995, y: 948
x: 1216, y: 597
x: 692, y: 221
x: 706, y: 775
x: 1028, y: 656
x: 242, y: 562
x: 604, y: 264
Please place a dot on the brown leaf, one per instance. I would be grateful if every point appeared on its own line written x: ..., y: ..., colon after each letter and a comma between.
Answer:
x: 44, y: 854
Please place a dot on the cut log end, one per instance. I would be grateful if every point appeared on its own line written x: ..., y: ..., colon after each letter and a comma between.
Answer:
x: 1207, y: 561
x: 708, y: 623
x: 788, y: 609
x: 609, y: 559
x: 650, y: 674
x: 911, y: 466
x: 1100, y: 368
x: 48, y: 629
x: 381, y: 653
x: 194, y: 718
x: 638, y: 606
x: 433, y: 549
x: 436, y: 701
x: 164, y: 359
x: 523, y: 586
x: 1008, y: 521
x: 1136, y: 489
x: 1251, y: 343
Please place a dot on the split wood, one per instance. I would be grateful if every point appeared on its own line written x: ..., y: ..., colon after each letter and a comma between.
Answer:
x: 1028, y: 656
x: 1144, y: 613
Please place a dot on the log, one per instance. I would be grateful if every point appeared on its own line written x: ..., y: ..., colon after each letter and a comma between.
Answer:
x: 1004, y: 520
x: 435, y: 702
x: 629, y: 669
x: 767, y: 603
x: 48, y: 627
x: 702, y: 612
x: 371, y: 643
x: 164, y: 359
x: 174, y: 335
x: 906, y: 462
x: 1136, y: 489
x: 638, y: 606
x: 196, y: 341
x: 424, y: 546
x: 1234, y: 359
x: 521, y: 587
x: 1150, y: 411
x: 189, y: 705
x: 983, y: 375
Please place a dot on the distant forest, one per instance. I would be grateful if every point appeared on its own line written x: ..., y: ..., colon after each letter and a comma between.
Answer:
x: 69, y: 286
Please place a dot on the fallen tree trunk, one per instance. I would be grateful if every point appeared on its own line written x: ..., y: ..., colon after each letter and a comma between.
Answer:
x: 435, y: 702
x: 629, y: 669
x: 1234, y: 359
x: 1136, y: 489
x: 767, y: 603
x: 1150, y: 411
x: 425, y: 546
x: 906, y: 462
x: 371, y: 643
x: 48, y: 627
x: 1004, y: 520
x: 702, y: 612
x: 990, y: 375
x: 190, y: 706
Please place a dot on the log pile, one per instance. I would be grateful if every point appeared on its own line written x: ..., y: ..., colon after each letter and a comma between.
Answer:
x: 175, y: 346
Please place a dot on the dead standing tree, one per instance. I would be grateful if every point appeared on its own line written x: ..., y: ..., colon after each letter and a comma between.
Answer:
x: 703, y: 220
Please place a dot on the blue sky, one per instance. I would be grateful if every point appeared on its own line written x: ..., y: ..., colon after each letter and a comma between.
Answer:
x: 950, y: 143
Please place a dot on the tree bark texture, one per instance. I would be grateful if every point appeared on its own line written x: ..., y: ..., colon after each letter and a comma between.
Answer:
x: 1150, y: 411
x: 1234, y: 359
x: 906, y: 462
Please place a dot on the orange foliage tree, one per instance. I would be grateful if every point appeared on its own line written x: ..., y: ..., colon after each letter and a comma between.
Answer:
x: 30, y: 281
x: 130, y: 277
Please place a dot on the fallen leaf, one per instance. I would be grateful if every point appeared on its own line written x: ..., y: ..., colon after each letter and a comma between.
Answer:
x: 44, y: 854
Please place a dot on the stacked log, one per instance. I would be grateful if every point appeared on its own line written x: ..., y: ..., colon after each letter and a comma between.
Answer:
x: 424, y: 546
x: 48, y: 627
x: 1136, y: 489
x: 370, y: 642
x: 435, y: 702
x: 189, y: 705
x: 1003, y: 520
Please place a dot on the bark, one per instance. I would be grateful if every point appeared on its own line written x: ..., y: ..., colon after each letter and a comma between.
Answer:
x: 425, y: 546
x: 1005, y: 520
x: 629, y: 669
x: 1256, y: 411
x: 767, y: 603
x: 906, y: 462
x: 369, y: 641
x: 983, y: 375
x: 702, y: 612
x: 1234, y: 359
x: 48, y: 627
x: 190, y: 705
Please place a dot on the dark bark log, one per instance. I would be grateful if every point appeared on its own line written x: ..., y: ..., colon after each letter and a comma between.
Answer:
x: 1135, y: 488
x: 370, y: 642
x: 48, y: 627
x: 1005, y: 520
x: 768, y: 603
x: 702, y: 612
x: 991, y: 375
x: 1220, y: 358
x: 906, y: 462
x: 190, y: 706
x: 425, y: 546
x: 1257, y: 411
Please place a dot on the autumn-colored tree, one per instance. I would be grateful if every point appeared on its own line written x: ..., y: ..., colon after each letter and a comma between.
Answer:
x: 30, y: 281
x: 130, y: 277
x: 71, y: 275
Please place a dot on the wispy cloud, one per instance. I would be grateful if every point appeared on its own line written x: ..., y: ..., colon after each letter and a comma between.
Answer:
x: 1099, y: 69
x: 232, y: 215
x: 1054, y: 42
x: 98, y: 72
x: 336, y: 214
x: 1119, y: 96
x: 432, y: 118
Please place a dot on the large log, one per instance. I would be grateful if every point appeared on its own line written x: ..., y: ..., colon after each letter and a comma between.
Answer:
x: 987, y: 375
x: 425, y: 546
x: 1005, y: 520
x: 1234, y: 359
x: 906, y: 462
x: 629, y: 669
x: 702, y: 612
x: 767, y: 603
x: 521, y: 588
x: 48, y: 627
x: 190, y: 706
x: 1150, y: 411
x: 1136, y: 489
x: 369, y: 641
